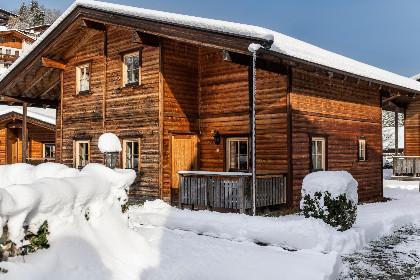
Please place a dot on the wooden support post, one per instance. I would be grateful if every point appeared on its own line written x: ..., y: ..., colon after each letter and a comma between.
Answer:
x: 180, y: 191
x: 24, y: 131
x: 396, y: 131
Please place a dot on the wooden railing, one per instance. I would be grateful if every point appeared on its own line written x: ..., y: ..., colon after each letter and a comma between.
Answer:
x: 406, y: 166
x: 230, y: 190
x: 8, y: 57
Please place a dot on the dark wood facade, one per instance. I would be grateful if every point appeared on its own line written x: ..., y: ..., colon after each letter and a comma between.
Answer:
x: 189, y: 91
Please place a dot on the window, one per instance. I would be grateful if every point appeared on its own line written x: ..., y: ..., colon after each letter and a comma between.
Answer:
x: 17, y: 53
x: 83, y: 78
x: 82, y: 153
x: 8, y: 51
x: 318, y: 153
x: 131, y: 69
x: 49, y: 150
x: 362, y: 150
x: 131, y: 154
x: 1, y: 50
x: 7, y: 65
x: 14, y: 39
x: 2, y: 38
x: 237, y: 154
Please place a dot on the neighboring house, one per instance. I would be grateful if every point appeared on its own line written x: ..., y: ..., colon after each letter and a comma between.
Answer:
x: 178, y: 91
x: 41, y: 134
x: 13, y: 44
x: 37, y: 31
x: 5, y: 16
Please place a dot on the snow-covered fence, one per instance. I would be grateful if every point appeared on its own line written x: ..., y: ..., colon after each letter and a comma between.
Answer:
x: 230, y: 190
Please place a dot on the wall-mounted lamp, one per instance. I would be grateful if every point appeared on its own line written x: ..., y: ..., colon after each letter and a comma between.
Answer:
x: 217, y: 138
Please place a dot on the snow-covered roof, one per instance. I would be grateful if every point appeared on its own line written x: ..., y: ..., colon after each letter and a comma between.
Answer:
x: 46, y: 115
x: 416, y: 77
x: 282, y: 44
x: 5, y: 29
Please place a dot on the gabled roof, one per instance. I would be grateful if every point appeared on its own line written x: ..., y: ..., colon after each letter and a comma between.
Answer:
x: 158, y: 23
x: 44, y: 115
x: 5, y: 31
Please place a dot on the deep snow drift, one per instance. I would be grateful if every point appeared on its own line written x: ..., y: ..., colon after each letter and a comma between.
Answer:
x: 102, y: 247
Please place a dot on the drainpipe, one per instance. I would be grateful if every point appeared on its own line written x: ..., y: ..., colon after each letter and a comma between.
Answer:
x: 253, y: 48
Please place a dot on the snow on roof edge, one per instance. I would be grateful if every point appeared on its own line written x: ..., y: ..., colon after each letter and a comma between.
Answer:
x: 34, y: 113
x: 282, y: 43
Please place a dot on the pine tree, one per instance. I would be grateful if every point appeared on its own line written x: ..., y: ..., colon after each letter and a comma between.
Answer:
x: 33, y: 15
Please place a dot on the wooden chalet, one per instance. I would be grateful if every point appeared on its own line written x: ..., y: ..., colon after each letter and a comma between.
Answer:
x: 40, y: 133
x: 203, y: 119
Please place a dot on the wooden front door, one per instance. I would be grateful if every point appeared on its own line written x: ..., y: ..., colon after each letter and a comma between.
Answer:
x: 12, y: 146
x: 184, y: 158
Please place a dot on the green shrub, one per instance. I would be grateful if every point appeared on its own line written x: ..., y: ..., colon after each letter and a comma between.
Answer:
x: 338, y: 212
x: 36, y: 241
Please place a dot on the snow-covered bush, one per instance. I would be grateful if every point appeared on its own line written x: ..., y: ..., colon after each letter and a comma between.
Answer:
x: 330, y: 196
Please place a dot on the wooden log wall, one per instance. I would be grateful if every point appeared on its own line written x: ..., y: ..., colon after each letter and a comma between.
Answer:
x: 204, y: 94
x: 181, y: 97
x: 341, y: 110
x: 129, y: 112
x: 412, y: 129
x: 3, y: 143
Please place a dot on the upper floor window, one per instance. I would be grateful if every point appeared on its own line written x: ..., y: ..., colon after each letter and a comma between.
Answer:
x: 49, y: 150
x: 2, y: 38
x: 1, y: 50
x: 131, y: 154
x: 14, y: 39
x: 8, y: 51
x: 362, y: 150
x: 318, y: 153
x: 83, y: 78
x: 237, y: 154
x: 17, y: 53
x: 131, y: 69
x: 82, y: 153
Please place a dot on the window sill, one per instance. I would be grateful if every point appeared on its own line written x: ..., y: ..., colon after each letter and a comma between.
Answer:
x: 85, y: 92
x: 132, y: 85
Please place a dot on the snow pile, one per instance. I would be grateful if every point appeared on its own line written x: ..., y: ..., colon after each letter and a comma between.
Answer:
x: 100, y: 247
x: 109, y: 143
x: 334, y: 182
x: 294, y: 231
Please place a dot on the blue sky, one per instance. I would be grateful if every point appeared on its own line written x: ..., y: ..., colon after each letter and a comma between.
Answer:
x: 383, y: 33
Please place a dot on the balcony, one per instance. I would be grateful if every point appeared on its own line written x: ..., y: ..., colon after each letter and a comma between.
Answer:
x: 8, y: 57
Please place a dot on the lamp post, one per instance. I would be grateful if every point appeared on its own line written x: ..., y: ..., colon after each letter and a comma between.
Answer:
x: 110, y: 159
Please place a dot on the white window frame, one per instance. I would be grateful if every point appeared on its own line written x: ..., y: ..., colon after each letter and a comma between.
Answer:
x: 125, y: 74
x: 81, y: 74
x: 124, y: 153
x: 44, y: 150
x: 317, y: 153
x: 8, y: 51
x: 228, y: 152
x: 362, y: 150
x: 77, y: 162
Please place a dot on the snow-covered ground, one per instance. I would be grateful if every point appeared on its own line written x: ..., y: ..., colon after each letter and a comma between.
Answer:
x: 162, y: 242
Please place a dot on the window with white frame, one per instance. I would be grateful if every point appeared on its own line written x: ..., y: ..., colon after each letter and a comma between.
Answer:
x: 83, y: 78
x: 8, y: 51
x: 131, y: 154
x: 318, y: 153
x: 82, y: 153
x: 49, y: 150
x: 17, y: 53
x: 131, y: 69
x: 362, y: 150
x: 237, y: 154
x: 1, y: 50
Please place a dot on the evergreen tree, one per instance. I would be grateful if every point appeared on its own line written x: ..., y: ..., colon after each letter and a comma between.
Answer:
x: 33, y: 15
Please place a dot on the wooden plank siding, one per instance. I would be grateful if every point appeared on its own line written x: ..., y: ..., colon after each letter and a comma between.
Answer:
x: 129, y: 112
x: 341, y: 111
x: 412, y: 129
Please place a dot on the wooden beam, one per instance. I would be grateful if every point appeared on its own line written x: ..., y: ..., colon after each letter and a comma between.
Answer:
x: 53, y: 85
x: 93, y: 25
x: 35, y: 81
x: 46, y: 62
x: 37, y: 101
x: 145, y: 39
x: 262, y: 63
x: 391, y: 98
x: 396, y: 130
x: 24, y: 131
